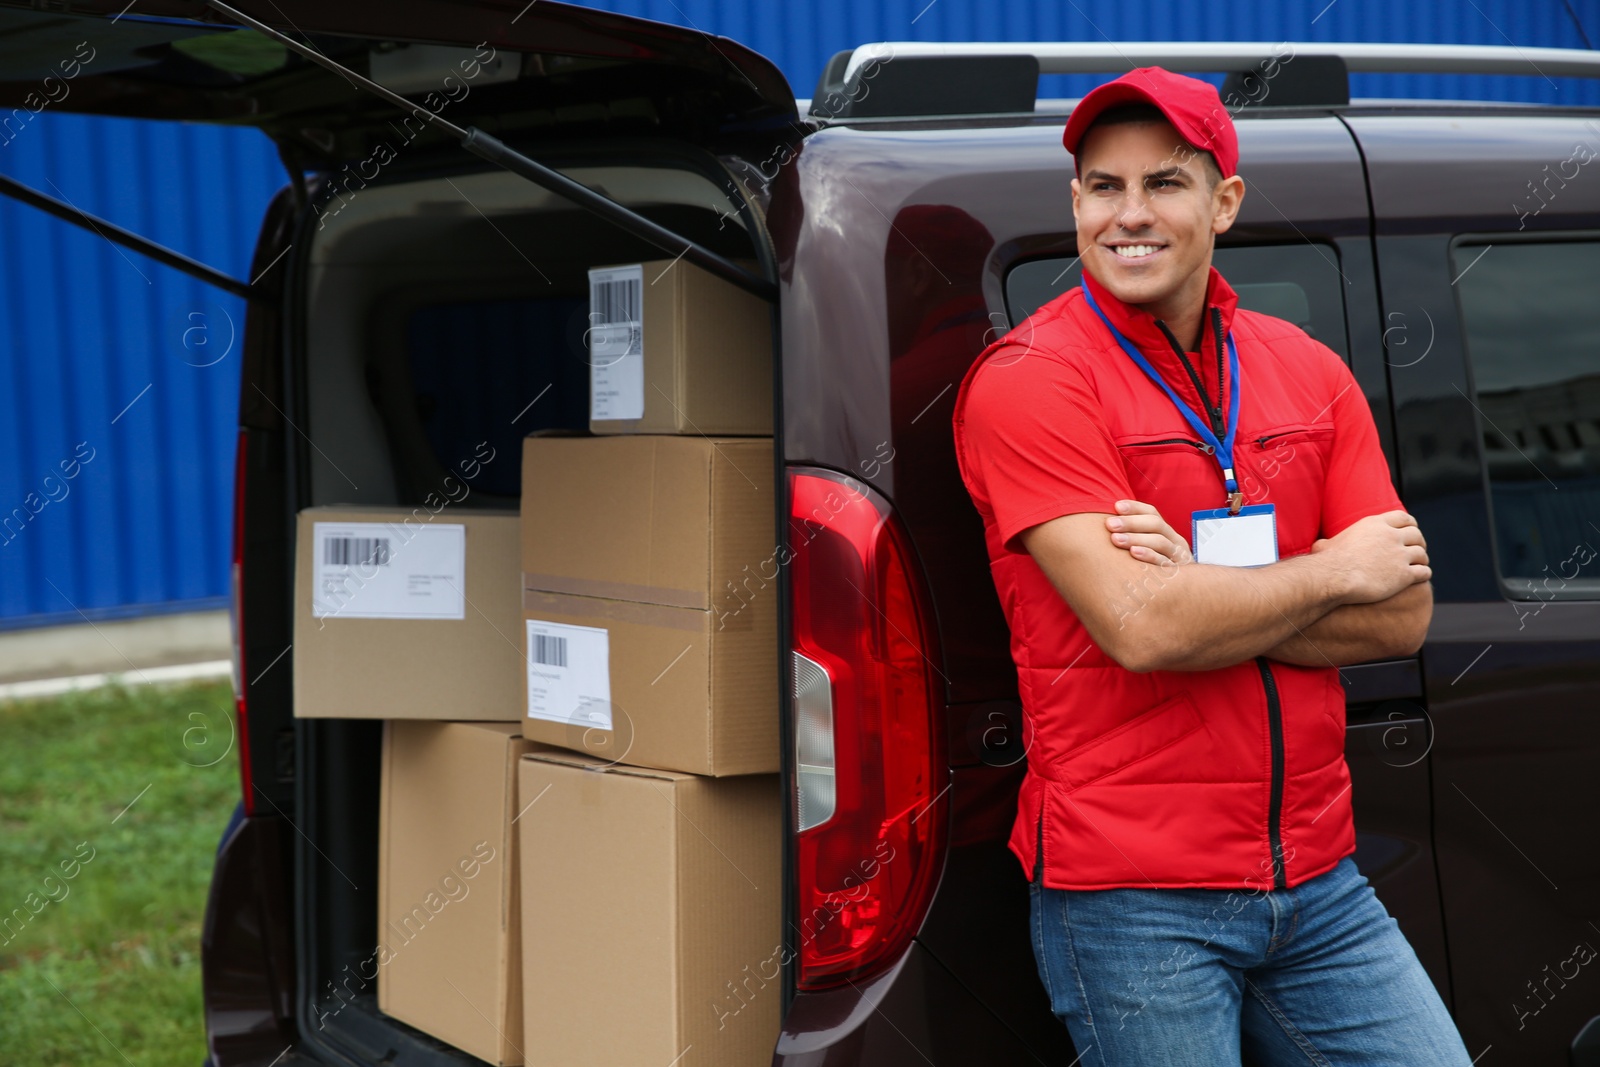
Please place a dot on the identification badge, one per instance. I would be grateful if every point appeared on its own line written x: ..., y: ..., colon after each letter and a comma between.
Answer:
x: 1248, y: 539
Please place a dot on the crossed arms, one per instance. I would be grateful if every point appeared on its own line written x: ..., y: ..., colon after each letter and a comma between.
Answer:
x: 1362, y: 594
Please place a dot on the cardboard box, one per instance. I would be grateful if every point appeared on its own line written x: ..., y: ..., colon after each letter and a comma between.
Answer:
x: 652, y: 685
x: 407, y: 614
x: 675, y: 349
x: 449, y: 956
x: 682, y: 521
x: 650, y: 602
x: 651, y: 915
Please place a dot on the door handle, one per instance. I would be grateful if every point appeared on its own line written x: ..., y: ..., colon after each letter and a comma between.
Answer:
x: 1372, y: 683
x: 1383, y: 705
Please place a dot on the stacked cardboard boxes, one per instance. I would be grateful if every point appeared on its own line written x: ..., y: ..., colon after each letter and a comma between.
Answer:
x: 650, y: 618
x: 622, y: 844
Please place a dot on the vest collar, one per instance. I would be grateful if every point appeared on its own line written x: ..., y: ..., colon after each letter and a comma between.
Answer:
x: 1140, y: 328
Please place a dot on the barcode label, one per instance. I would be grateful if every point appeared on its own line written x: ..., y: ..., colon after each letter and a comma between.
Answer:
x: 569, y: 674
x: 356, y: 552
x: 616, y: 342
x: 384, y: 570
x: 548, y: 650
x: 616, y: 300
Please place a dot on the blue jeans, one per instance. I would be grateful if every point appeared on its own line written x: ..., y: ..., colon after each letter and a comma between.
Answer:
x: 1318, y: 974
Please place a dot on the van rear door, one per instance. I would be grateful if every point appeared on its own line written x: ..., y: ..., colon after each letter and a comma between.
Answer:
x: 567, y: 67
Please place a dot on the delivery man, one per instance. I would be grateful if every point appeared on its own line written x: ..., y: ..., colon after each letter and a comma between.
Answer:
x: 1185, y: 819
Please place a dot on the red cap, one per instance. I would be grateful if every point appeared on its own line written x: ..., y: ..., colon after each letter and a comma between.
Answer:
x: 1192, y: 106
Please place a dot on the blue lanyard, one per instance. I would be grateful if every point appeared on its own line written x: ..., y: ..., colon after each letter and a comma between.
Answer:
x: 1223, y: 449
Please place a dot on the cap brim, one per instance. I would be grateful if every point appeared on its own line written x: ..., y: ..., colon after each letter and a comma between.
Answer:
x: 1099, y: 99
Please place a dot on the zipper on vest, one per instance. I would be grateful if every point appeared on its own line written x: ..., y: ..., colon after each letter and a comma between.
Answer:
x: 1275, y: 803
x: 1038, y: 848
x: 1261, y: 442
x: 1201, y: 445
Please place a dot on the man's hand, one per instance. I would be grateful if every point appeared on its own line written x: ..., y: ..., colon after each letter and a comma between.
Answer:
x: 1139, y: 528
x: 1380, y: 555
x: 1357, y: 633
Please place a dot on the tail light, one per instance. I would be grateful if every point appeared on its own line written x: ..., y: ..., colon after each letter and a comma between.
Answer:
x: 870, y: 775
x: 236, y: 620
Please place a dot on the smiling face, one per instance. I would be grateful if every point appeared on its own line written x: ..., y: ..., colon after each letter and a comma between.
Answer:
x: 1147, y: 213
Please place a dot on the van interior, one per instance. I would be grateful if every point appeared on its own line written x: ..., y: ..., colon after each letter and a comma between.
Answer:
x: 442, y: 313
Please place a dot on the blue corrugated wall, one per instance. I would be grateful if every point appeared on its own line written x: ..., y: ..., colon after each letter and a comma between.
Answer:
x: 801, y: 37
x: 118, y: 372
x: 116, y: 438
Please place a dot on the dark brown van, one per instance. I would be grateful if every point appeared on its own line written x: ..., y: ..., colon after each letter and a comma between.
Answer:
x: 913, y: 211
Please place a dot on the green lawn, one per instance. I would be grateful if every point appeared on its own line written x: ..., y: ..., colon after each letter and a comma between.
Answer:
x: 103, y: 967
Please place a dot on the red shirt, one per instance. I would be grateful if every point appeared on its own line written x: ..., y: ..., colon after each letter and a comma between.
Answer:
x: 1166, y: 778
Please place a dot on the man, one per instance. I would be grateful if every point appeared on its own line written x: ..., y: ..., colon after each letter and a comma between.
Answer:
x: 1185, y: 818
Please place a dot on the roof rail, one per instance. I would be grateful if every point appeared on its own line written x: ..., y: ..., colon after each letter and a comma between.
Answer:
x: 920, y: 79
x: 1073, y: 57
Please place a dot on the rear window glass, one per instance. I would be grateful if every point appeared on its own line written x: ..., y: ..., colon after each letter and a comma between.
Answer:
x: 1532, y: 328
x: 495, y: 371
x: 1299, y: 282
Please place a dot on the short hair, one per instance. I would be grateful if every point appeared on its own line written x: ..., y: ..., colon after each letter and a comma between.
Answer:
x: 1138, y: 113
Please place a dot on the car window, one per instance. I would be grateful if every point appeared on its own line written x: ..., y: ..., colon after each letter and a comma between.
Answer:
x: 450, y: 375
x: 1298, y: 282
x: 1532, y: 328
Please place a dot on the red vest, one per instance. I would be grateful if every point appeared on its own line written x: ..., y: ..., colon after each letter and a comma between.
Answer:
x: 1226, y: 778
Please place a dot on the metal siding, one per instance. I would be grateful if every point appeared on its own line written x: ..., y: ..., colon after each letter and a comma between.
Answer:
x: 145, y: 524
x: 800, y: 38
x: 87, y: 326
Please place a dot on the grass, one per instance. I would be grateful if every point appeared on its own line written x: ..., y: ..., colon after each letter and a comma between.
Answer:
x: 128, y: 790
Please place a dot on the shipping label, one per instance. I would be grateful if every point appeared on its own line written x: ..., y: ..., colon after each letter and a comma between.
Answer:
x: 569, y: 674
x: 616, y: 343
x: 380, y: 570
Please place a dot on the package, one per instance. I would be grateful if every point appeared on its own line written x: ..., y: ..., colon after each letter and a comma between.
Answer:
x: 406, y: 614
x: 651, y: 915
x: 650, y: 600
x: 449, y: 949
x: 675, y: 349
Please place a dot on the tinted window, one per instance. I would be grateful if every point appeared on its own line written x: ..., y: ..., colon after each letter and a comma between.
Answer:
x: 1532, y: 326
x: 476, y: 364
x: 459, y: 382
x: 1299, y: 282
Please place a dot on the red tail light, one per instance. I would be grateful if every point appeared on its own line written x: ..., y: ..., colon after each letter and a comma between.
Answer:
x: 870, y: 784
x: 236, y: 618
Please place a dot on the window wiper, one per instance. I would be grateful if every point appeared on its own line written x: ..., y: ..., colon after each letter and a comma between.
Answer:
x: 495, y: 151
